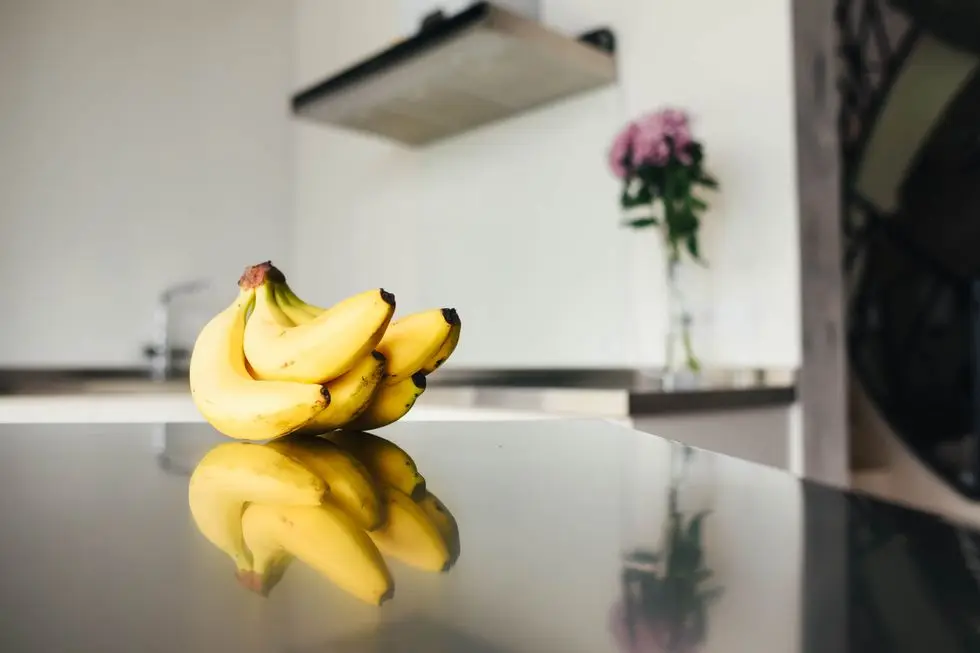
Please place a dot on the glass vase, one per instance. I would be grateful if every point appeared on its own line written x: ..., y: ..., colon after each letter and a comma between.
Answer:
x: 680, y: 361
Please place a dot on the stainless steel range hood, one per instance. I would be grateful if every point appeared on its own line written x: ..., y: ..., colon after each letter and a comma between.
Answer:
x: 481, y: 65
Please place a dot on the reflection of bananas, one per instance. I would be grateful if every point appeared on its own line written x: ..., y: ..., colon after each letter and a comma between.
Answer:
x: 351, y: 485
x: 389, y: 404
x: 444, y: 521
x: 334, y: 504
x: 319, y: 350
x: 323, y: 537
x: 227, y: 395
x: 410, y: 535
x: 233, y: 474
x: 414, y: 342
x: 387, y: 462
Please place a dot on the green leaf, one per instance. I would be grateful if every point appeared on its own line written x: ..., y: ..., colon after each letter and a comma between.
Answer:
x: 711, y: 595
x: 692, y: 246
x: 694, y: 526
x: 702, y: 575
x: 698, y: 203
x: 708, y: 181
x: 639, y: 223
x: 644, y: 557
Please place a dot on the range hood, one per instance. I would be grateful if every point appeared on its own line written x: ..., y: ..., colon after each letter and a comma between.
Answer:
x: 456, y: 73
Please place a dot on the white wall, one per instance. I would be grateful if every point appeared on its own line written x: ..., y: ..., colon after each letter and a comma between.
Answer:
x: 141, y: 143
x: 516, y: 224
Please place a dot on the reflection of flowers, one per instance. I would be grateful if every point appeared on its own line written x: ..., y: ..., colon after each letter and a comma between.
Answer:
x: 665, y: 598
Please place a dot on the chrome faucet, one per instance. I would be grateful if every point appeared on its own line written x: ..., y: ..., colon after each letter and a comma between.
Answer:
x: 160, y: 351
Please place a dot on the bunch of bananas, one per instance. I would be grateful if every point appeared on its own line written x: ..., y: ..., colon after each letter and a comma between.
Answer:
x: 337, y: 503
x: 271, y: 364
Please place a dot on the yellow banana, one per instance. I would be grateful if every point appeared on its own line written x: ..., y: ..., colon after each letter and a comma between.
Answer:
x: 233, y: 474
x: 233, y: 401
x: 297, y: 313
x: 387, y: 462
x: 390, y: 403
x: 414, y: 341
x: 351, y: 485
x: 444, y: 521
x: 447, y: 349
x: 323, y: 537
x: 350, y: 395
x: 319, y: 350
x: 409, y: 535
x: 300, y: 311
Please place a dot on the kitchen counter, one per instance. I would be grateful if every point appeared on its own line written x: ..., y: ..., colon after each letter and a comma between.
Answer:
x: 615, y: 393
x: 557, y: 520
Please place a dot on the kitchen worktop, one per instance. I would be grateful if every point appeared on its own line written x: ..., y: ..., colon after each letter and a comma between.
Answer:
x: 568, y: 391
x: 554, y: 518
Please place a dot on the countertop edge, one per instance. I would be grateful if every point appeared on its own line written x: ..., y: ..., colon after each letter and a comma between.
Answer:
x: 643, y: 404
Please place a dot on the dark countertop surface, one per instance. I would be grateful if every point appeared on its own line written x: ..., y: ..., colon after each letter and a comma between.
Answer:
x: 638, y: 392
x: 101, y: 553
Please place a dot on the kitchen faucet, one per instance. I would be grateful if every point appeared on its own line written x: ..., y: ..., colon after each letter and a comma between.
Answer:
x: 160, y: 352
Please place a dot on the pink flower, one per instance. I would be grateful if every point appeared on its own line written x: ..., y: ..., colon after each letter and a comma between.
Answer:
x: 654, y: 130
x: 647, y: 636
x: 619, y: 153
x: 648, y: 140
x: 650, y: 146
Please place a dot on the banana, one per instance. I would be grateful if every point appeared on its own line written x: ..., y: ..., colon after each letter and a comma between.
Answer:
x: 233, y: 401
x: 390, y: 403
x: 233, y: 474
x: 414, y: 341
x: 296, y: 313
x: 409, y: 535
x: 323, y: 537
x: 319, y: 350
x: 300, y: 311
x: 350, y: 395
x: 447, y: 349
x: 387, y: 462
x: 275, y: 562
x: 351, y: 485
x: 444, y: 521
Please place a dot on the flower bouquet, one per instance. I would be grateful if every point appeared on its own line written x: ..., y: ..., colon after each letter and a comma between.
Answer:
x: 661, y: 166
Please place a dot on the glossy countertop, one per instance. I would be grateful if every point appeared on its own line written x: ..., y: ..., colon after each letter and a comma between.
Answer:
x: 560, y: 522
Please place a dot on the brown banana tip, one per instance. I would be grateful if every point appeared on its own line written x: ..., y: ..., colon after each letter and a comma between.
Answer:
x: 378, y: 356
x: 450, y: 316
x: 256, y: 275
x: 387, y: 596
x: 249, y: 580
x: 446, y: 567
x: 387, y: 297
x: 325, y: 393
x: 419, y: 380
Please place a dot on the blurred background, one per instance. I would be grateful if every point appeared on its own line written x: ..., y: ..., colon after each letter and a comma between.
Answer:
x: 149, y: 150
